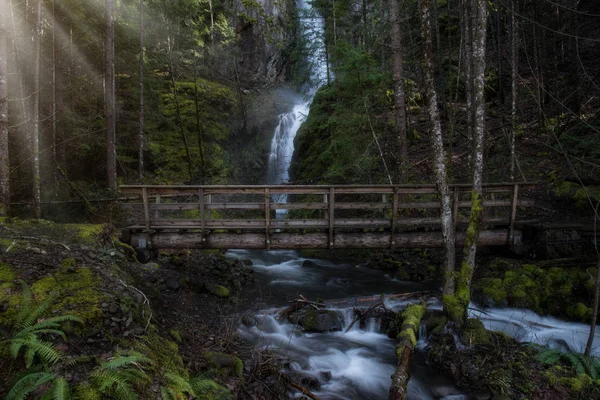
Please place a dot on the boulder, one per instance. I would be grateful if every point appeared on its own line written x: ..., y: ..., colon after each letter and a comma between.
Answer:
x: 321, y: 321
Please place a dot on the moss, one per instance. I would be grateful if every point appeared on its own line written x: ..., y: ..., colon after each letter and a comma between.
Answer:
x: 78, y: 295
x: 225, y: 364
x: 68, y: 262
x: 579, y: 312
x: 176, y: 335
x: 125, y: 249
x: 9, y: 294
x: 221, y: 291
x: 6, y: 273
x: 474, y: 333
x: 411, y: 320
x: 559, y: 376
x: 435, y: 324
x: 163, y: 352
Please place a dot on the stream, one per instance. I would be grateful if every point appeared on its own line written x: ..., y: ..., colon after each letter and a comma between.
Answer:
x: 358, y: 364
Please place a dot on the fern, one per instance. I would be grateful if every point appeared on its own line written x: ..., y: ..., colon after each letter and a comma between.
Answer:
x: 549, y: 356
x: 176, y: 385
x: 115, y: 377
x: 60, y: 390
x: 28, y: 384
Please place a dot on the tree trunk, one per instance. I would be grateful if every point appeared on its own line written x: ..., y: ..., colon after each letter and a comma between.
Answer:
x: 37, y: 192
x: 513, y: 117
x: 53, y: 107
x: 438, y: 157
x: 178, y: 110
x: 198, y: 127
x: 399, y: 98
x: 461, y: 301
x: 4, y: 159
x: 141, y: 104
x: 590, y: 341
x: 407, y: 338
x: 467, y: 33
x: 109, y: 95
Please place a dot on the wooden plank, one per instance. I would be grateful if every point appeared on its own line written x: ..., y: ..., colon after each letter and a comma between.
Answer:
x: 299, y: 206
x: 146, y: 208
x: 267, y: 218
x: 157, y: 210
x: 318, y: 240
x: 362, y: 206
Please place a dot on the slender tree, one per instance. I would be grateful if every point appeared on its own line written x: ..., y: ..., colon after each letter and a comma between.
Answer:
x: 438, y: 158
x: 399, y: 96
x: 514, y: 71
x: 141, y: 90
x: 109, y: 94
x: 4, y: 159
x: 478, y: 17
x: 37, y: 50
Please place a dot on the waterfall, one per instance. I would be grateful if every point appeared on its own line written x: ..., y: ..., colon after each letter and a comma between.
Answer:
x: 282, y: 144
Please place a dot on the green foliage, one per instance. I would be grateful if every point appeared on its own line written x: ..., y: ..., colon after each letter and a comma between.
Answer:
x: 29, y: 383
x: 564, y: 292
x: 580, y: 363
x: 28, y: 330
x: 115, y: 377
x: 207, y: 389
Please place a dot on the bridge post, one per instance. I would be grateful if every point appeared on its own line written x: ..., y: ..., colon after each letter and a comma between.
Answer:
x: 146, y: 208
x: 331, y: 216
x: 456, y: 201
x: 325, y: 211
x: 157, y: 211
x: 202, y: 217
x: 267, y: 218
x: 513, y: 214
x: 394, y: 218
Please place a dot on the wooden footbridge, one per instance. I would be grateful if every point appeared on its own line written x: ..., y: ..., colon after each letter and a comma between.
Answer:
x: 314, y: 217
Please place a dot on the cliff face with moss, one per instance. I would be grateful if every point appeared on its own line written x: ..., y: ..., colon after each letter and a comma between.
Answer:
x: 265, y: 29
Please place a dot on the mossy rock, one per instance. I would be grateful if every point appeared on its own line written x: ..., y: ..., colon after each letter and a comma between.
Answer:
x: 435, y: 323
x: 474, y: 333
x: 321, y: 321
x: 225, y: 364
x: 217, y: 290
x: 77, y: 293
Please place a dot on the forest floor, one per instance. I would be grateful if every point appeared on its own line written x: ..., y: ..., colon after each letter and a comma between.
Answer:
x: 181, y: 311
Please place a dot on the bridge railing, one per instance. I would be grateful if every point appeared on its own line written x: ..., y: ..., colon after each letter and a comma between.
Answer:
x: 271, y: 208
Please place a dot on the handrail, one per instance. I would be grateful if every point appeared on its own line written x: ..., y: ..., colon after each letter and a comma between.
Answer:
x: 331, y: 221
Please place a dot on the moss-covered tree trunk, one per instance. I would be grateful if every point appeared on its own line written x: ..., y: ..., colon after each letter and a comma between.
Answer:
x: 457, y: 306
x: 407, y: 340
x: 438, y: 157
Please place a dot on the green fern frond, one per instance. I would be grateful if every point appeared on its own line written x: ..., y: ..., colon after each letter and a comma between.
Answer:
x: 28, y: 384
x: 167, y: 393
x: 60, y: 391
x: 25, y: 304
x: 121, y: 361
x: 549, y: 356
x: 577, y: 361
x: 45, y: 350
x: 179, y: 383
x: 31, y: 318
x: 113, y: 383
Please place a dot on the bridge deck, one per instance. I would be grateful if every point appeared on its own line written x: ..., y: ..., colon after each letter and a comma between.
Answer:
x: 284, y: 216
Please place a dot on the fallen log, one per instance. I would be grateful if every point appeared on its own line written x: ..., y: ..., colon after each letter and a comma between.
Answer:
x: 407, y: 339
